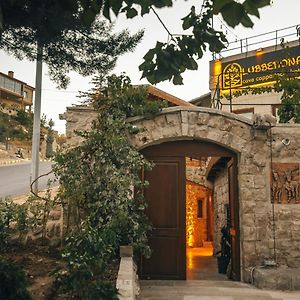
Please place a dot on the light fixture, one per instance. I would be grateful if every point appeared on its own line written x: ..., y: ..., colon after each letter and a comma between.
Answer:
x: 259, y: 51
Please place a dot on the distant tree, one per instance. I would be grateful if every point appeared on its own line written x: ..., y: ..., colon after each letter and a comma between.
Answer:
x: 290, y: 99
x: 50, y: 139
x: 48, y: 21
x: 61, y: 139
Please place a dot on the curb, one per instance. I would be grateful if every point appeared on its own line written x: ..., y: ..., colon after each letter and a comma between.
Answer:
x: 16, y: 161
x: 10, y: 162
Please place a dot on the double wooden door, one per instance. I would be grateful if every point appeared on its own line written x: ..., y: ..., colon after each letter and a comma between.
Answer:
x: 167, y: 211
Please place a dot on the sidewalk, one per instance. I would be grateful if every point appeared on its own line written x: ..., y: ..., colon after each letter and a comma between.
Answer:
x: 209, y: 290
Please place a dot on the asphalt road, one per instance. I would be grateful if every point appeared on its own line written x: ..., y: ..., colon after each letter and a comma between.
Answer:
x: 15, y: 179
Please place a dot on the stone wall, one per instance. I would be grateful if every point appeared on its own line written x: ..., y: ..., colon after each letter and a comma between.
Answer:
x: 220, y: 199
x: 252, y: 147
x: 287, y: 216
x: 53, y: 230
x: 78, y: 118
x: 196, y: 228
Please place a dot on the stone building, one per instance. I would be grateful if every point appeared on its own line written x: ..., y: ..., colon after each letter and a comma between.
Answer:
x: 215, y: 169
x: 14, y: 94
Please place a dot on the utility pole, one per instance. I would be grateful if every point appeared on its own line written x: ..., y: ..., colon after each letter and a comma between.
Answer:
x: 35, y: 158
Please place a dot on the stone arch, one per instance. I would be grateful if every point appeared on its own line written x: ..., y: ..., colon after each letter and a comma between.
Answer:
x: 251, y: 147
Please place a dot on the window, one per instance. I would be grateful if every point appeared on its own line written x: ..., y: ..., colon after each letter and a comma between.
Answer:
x: 200, y: 209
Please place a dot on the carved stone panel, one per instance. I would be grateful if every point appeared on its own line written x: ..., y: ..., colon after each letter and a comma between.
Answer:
x: 285, y: 183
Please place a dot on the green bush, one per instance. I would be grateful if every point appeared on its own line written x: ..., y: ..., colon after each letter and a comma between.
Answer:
x: 11, y: 212
x: 103, y: 211
x: 12, y: 282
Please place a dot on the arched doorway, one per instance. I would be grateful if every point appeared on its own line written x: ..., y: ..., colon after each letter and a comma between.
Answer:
x: 166, y: 197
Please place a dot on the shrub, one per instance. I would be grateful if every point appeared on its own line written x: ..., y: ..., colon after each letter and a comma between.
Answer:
x: 13, y: 282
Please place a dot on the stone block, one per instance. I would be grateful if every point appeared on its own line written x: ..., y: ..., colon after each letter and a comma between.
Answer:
x: 247, y: 181
x: 247, y: 220
x: 294, y: 262
x: 246, y: 193
x: 251, y: 260
x: 248, y: 248
x: 126, y: 251
x: 284, y: 215
x: 214, y: 135
x: 237, y: 143
x: 160, y: 121
x: 249, y: 233
x: 261, y: 181
x: 184, y: 116
x: 296, y: 280
x: 192, y: 118
x: 172, y: 119
x: 248, y: 207
x: 184, y: 129
x: 262, y: 234
x: 262, y: 219
x: 203, y: 118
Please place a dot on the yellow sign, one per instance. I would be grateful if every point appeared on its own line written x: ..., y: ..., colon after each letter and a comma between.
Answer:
x: 260, y: 70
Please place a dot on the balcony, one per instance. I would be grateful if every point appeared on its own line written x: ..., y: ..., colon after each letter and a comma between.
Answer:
x: 11, y: 85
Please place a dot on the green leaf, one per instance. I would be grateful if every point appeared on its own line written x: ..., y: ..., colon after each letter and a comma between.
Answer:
x: 116, y: 6
x: 88, y: 17
x: 193, y: 64
x: 233, y: 13
x: 131, y: 13
x: 150, y: 54
x: 106, y: 9
x: 177, y: 79
x: 260, y: 3
x: 219, y: 4
x: 246, y: 21
x: 250, y: 8
x: 186, y: 24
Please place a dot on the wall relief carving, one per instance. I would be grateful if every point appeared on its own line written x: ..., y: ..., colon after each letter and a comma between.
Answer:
x: 285, y: 183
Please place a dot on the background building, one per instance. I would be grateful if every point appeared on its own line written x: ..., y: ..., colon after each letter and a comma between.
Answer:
x: 14, y: 94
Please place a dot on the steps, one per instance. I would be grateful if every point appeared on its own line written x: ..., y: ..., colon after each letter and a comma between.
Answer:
x: 208, y: 290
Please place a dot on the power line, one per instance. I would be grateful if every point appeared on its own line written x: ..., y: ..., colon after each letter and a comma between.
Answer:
x: 227, y: 28
x: 162, y: 23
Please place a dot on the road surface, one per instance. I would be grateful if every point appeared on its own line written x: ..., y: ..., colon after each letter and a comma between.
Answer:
x: 15, y: 179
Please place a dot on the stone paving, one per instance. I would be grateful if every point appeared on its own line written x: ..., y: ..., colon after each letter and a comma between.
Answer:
x: 209, y: 290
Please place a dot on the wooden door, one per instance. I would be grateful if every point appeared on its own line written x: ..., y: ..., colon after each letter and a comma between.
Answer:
x: 166, y: 209
x: 234, y: 219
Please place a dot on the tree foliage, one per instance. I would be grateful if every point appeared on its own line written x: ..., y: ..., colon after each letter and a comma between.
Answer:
x: 72, y: 36
x: 58, y: 24
x: 167, y: 61
x: 290, y: 99
x: 97, y: 180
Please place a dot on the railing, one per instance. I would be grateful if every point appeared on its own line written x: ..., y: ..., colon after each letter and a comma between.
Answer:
x: 11, y: 85
x: 275, y: 38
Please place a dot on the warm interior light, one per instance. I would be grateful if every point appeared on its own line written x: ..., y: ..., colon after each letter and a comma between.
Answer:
x: 259, y: 51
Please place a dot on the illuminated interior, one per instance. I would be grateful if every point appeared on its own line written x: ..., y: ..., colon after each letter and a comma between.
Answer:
x: 199, y: 216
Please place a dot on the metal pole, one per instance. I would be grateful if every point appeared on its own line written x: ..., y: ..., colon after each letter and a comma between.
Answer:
x: 36, y: 120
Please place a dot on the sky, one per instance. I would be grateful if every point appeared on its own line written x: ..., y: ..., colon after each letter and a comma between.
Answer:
x: 282, y: 14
